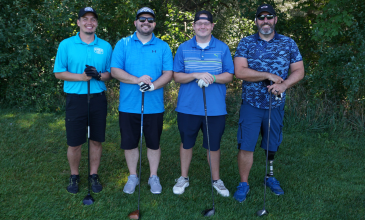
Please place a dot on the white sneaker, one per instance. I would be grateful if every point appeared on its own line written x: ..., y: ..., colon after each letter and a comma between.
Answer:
x: 180, y: 185
x: 131, y: 184
x: 154, y: 182
x: 221, y: 189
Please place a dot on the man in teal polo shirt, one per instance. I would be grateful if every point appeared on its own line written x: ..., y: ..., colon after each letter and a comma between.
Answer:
x: 73, y: 55
x: 208, y: 61
x: 142, y: 63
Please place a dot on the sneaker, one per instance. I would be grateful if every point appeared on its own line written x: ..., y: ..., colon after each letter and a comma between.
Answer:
x: 96, y: 186
x: 274, y: 185
x: 131, y: 184
x: 242, y: 190
x: 154, y: 182
x: 73, y: 186
x: 180, y: 185
x: 221, y: 189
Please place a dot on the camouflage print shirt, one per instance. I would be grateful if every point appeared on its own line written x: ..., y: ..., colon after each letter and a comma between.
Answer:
x: 274, y: 56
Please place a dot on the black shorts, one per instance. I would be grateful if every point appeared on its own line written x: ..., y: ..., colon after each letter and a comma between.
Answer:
x: 130, y: 130
x: 189, y: 126
x: 76, y: 118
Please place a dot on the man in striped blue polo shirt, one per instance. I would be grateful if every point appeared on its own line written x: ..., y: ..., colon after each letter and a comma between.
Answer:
x: 202, y: 61
x: 73, y: 55
x: 260, y: 58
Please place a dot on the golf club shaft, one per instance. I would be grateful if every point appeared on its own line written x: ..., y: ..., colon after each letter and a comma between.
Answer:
x: 88, y: 132
x: 268, y: 141
x: 140, y: 151
x: 210, y: 161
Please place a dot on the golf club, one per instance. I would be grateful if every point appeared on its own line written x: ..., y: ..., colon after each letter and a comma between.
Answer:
x: 88, y: 200
x: 264, y: 211
x: 135, y: 214
x: 208, y: 212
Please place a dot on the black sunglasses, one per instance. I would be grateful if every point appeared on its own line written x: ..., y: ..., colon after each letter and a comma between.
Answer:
x: 143, y: 19
x: 262, y: 17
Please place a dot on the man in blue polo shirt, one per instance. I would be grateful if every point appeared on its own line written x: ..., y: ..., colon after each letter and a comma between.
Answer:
x: 142, y: 63
x: 73, y: 55
x: 208, y: 61
x: 260, y: 58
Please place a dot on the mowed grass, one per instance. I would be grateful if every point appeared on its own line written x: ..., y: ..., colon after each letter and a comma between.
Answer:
x: 322, y: 174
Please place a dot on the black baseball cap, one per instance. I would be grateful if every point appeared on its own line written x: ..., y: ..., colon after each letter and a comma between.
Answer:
x: 266, y: 8
x: 83, y: 11
x: 209, y: 18
x: 145, y: 10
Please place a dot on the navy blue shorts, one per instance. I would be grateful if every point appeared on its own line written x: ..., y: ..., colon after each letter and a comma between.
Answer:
x: 189, y: 126
x: 254, y: 121
x: 130, y: 130
x: 76, y: 118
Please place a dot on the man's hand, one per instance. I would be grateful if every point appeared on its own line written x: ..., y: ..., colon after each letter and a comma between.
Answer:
x: 143, y: 87
x: 91, y: 71
x: 202, y: 83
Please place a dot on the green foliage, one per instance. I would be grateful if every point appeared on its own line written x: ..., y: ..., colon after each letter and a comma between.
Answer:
x: 339, y: 73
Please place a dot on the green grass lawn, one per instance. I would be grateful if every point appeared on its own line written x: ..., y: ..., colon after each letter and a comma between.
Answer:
x: 322, y: 175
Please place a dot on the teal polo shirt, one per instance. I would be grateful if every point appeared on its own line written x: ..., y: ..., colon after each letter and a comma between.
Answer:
x: 72, y: 56
x: 139, y: 59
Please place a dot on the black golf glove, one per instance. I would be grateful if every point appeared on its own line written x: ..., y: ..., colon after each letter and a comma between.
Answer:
x: 91, y: 71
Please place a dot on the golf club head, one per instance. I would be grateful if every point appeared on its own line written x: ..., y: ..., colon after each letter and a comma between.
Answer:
x: 208, y: 212
x: 261, y: 212
x: 134, y: 215
x: 88, y: 200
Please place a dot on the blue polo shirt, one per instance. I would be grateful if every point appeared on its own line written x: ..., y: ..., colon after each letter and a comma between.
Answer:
x: 139, y: 59
x: 274, y: 56
x: 72, y: 56
x: 214, y: 59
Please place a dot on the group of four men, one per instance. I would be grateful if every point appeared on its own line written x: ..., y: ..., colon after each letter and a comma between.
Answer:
x: 144, y: 63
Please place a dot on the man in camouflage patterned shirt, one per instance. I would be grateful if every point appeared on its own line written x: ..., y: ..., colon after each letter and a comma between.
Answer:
x: 263, y: 61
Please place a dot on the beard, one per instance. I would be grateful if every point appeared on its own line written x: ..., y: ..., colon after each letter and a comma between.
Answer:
x: 142, y: 32
x: 266, y: 31
x: 89, y: 33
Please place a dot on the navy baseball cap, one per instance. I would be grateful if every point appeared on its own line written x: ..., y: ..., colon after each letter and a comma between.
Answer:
x: 145, y: 10
x: 265, y: 8
x: 209, y: 16
x: 83, y: 11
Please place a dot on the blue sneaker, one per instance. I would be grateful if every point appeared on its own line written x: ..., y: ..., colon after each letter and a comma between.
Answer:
x: 242, y: 190
x: 274, y: 185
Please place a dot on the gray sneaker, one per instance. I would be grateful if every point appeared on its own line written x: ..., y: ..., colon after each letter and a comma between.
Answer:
x: 154, y: 182
x: 221, y: 189
x: 131, y: 184
x: 180, y: 185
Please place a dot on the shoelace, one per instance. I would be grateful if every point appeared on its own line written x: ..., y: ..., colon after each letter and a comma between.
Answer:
x: 180, y: 181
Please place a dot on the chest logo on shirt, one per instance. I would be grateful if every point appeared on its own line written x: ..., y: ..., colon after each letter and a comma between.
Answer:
x: 98, y: 50
x: 154, y: 51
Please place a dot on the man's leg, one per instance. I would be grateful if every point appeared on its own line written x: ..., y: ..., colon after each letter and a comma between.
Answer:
x: 131, y: 156
x: 95, y: 155
x: 245, y: 161
x: 74, y: 156
x: 154, y: 160
x: 185, y: 159
x: 215, y: 157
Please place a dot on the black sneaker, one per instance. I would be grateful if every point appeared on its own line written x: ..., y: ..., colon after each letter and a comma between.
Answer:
x: 95, y: 183
x: 73, y: 186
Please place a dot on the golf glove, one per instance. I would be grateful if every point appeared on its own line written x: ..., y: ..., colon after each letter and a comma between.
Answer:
x: 202, y: 83
x: 143, y: 87
x: 91, y: 71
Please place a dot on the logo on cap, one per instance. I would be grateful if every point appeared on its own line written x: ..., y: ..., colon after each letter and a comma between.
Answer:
x: 88, y: 9
x: 264, y: 6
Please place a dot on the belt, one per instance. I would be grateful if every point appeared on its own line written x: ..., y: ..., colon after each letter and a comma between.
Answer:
x: 85, y: 95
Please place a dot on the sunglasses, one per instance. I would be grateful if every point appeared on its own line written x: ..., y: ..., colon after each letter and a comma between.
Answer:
x: 262, y: 17
x: 143, y: 19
